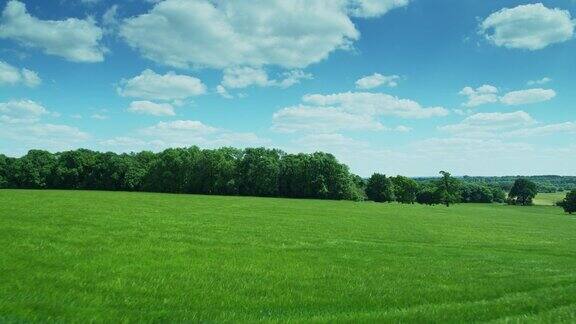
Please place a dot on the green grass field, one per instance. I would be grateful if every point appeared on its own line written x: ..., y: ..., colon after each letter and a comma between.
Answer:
x: 130, y: 257
x: 549, y: 199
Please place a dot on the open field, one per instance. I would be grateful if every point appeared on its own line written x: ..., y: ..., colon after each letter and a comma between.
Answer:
x: 549, y: 199
x: 105, y: 256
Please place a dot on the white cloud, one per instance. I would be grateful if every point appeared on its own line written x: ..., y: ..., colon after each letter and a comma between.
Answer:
x: 236, y: 78
x: 542, y: 81
x: 327, y: 142
x: 489, y: 124
x: 451, y: 147
x: 98, y: 116
x: 22, y: 126
x: 531, y: 26
x: 73, y: 39
x: 10, y: 75
x: 110, y: 20
x: 53, y: 137
x: 223, y: 92
x: 349, y: 111
x: 151, y: 108
x: 567, y: 127
x: 181, y: 133
x: 403, y: 129
x: 374, y: 8
x: 489, y: 94
x: 529, y: 96
x: 243, y: 77
x: 152, y: 86
x: 220, y: 34
x: 376, y: 80
x: 30, y: 78
x: 321, y: 119
x: 21, y: 111
x: 482, y: 95
x: 291, y: 78
x: 375, y: 104
x: 177, y: 128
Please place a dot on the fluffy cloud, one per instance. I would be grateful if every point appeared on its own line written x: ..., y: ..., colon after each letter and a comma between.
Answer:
x: 373, y: 8
x: 181, y: 133
x: 21, y: 124
x: 531, y: 26
x: 236, y: 78
x: 542, y: 81
x: 327, y: 142
x: 375, y: 104
x: 349, y: 111
x: 567, y: 127
x: 376, y: 80
x: 21, y: 111
x: 243, y: 77
x: 220, y: 34
x: 451, y: 147
x: 223, y: 92
x: 482, y: 95
x: 321, y: 119
x: 152, y: 86
x: 529, y: 96
x: 489, y: 124
x: 151, y: 108
x: 9, y: 75
x: 73, y: 39
x: 489, y: 94
x: 178, y: 128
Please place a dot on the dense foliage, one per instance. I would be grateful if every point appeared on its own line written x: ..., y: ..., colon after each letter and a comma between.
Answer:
x: 379, y: 188
x: 225, y: 171
x: 569, y: 203
x: 544, y: 184
x: 405, y: 189
x: 229, y: 171
x: 522, y: 193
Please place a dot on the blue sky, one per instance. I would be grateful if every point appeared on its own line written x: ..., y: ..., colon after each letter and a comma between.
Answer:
x: 396, y: 86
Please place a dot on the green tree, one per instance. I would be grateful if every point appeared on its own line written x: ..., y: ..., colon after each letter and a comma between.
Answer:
x: 523, y: 192
x: 329, y: 179
x: 448, y: 189
x: 34, y: 170
x: 380, y: 188
x: 4, y: 165
x: 293, y: 177
x: 498, y: 195
x: 429, y: 194
x: 569, y: 203
x: 73, y: 169
x: 216, y: 171
x: 405, y: 189
x: 475, y: 193
x: 172, y: 170
x: 258, y: 172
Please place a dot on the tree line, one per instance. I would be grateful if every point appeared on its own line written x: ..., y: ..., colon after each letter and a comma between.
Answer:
x: 544, y: 183
x: 225, y: 171
x: 229, y: 171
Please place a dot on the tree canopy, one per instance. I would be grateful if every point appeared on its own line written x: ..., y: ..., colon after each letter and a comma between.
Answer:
x: 523, y: 192
x: 380, y: 188
x: 569, y: 203
x: 230, y: 171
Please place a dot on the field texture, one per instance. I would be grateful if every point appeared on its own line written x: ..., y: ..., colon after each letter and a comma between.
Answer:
x: 549, y: 199
x: 127, y: 257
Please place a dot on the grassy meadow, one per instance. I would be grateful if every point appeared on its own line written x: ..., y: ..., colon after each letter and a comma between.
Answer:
x: 549, y: 199
x: 79, y: 256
